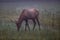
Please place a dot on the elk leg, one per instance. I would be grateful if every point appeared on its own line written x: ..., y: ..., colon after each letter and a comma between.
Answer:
x: 27, y: 25
x: 38, y: 23
x: 34, y: 24
x: 18, y: 26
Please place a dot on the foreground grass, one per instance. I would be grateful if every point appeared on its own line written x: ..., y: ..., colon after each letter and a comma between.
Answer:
x: 32, y: 35
x: 10, y: 33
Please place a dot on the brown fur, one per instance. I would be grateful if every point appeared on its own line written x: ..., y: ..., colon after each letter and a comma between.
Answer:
x: 28, y: 14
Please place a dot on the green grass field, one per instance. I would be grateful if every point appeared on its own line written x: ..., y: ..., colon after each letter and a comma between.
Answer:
x: 8, y: 31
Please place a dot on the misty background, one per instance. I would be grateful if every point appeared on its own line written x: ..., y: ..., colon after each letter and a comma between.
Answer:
x: 8, y: 6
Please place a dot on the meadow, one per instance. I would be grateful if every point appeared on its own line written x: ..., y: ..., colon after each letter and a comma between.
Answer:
x: 50, y: 27
x: 9, y: 32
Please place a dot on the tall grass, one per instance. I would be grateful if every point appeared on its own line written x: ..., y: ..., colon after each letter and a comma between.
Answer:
x: 8, y: 30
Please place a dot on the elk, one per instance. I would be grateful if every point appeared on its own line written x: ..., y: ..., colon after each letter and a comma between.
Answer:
x: 28, y: 14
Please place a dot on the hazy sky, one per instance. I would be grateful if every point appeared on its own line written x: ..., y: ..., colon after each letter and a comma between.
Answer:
x: 26, y: 0
x: 12, y: 4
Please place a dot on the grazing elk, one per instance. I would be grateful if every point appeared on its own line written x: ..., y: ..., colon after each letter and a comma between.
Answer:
x: 28, y: 14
